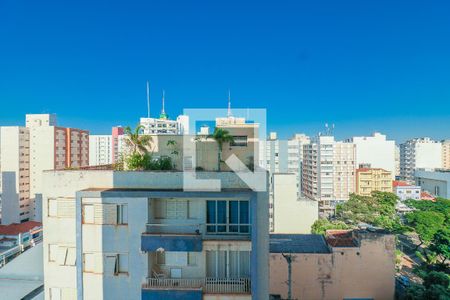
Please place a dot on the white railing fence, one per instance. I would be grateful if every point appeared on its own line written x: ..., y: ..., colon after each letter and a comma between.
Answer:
x: 209, y: 284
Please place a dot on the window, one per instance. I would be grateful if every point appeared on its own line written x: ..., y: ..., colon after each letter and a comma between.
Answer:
x: 105, y: 214
x: 176, y: 258
x: 171, y: 209
x: 52, y: 252
x: 239, y: 141
x: 62, y: 208
x: 66, y: 256
x: 228, y: 264
x: 55, y: 293
x: 228, y: 216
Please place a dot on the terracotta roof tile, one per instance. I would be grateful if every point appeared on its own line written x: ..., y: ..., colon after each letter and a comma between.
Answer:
x: 15, y: 229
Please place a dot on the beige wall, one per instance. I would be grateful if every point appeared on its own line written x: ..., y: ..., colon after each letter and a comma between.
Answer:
x: 446, y: 154
x: 290, y: 214
x: 367, y: 271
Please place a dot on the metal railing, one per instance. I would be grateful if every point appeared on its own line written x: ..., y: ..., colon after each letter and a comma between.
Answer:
x: 209, y: 285
x: 174, y: 228
x: 14, y: 251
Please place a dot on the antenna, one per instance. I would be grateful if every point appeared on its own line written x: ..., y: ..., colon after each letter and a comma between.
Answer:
x: 229, y: 104
x: 163, y: 95
x: 148, y: 100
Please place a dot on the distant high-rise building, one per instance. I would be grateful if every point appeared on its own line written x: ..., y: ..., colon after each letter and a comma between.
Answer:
x: 54, y: 148
x: 117, y: 143
x: 420, y: 153
x: 15, y: 203
x: 445, y: 154
x: 328, y: 173
x: 375, y: 150
x: 100, y: 150
x: 369, y: 180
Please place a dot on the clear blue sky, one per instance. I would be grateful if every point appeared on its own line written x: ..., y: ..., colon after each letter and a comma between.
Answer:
x: 363, y: 65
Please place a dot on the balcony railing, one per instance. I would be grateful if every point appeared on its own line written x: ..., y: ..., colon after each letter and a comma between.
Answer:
x: 209, y: 285
x: 199, y: 229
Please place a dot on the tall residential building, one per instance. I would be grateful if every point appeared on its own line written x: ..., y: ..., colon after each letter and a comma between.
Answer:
x: 375, y: 150
x: 15, y: 203
x: 397, y: 161
x: 328, y: 173
x: 445, y: 154
x: 420, y: 153
x: 369, y: 180
x: 284, y: 156
x: 54, y: 148
x: 138, y: 235
x: 100, y: 150
x: 117, y: 143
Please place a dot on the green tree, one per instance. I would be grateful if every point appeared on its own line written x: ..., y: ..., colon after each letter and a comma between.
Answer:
x: 434, y: 278
x: 322, y: 225
x: 137, y: 142
x: 441, y: 244
x: 221, y: 136
x: 377, y: 209
x: 426, y: 224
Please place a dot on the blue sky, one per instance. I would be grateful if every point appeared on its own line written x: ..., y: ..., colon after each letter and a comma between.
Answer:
x: 363, y: 65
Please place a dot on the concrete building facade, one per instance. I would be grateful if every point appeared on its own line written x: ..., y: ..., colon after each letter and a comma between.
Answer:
x: 341, y: 265
x: 138, y: 235
x: 406, y: 191
x: 375, y: 150
x: 100, y: 150
x: 435, y: 182
x: 328, y: 173
x: 287, y: 212
x: 420, y: 153
x: 369, y: 180
x: 445, y: 154
x: 15, y: 200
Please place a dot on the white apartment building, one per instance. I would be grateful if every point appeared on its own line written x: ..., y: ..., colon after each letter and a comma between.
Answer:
x: 284, y: 156
x: 37, y: 120
x: 288, y: 213
x: 420, y: 153
x: 100, y: 150
x: 405, y: 191
x: 328, y: 173
x: 397, y: 161
x: 436, y: 182
x: 445, y: 154
x: 15, y: 203
x: 375, y: 150
x: 165, y: 126
x: 138, y: 235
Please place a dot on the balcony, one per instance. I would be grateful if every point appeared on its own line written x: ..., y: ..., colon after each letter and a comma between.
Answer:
x: 209, y: 285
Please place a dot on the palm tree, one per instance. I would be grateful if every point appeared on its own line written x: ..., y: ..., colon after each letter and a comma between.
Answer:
x: 139, y: 143
x: 221, y: 136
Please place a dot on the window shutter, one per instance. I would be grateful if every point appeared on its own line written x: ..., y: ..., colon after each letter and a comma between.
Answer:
x: 110, y: 264
x: 171, y: 209
x: 62, y: 255
x: 182, y: 209
x: 88, y: 214
x: 71, y: 257
x: 53, y: 252
x: 55, y: 294
x: 66, y: 208
x: 109, y: 214
x: 69, y: 294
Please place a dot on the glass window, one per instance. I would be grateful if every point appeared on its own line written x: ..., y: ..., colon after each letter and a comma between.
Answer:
x: 211, y: 215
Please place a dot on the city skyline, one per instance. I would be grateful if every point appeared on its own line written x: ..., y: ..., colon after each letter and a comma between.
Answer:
x: 308, y: 64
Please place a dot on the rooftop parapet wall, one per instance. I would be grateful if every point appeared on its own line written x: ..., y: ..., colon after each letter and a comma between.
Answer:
x: 82, y: 179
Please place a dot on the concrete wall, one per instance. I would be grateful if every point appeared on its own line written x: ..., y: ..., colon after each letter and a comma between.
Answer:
x: 367, y: 271
x: 376, y: 151
x: 290, y: 214
x: 437, y: 183
x: 115, y: 239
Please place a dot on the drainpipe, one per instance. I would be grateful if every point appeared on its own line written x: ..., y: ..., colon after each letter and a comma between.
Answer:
x: 288, y: 259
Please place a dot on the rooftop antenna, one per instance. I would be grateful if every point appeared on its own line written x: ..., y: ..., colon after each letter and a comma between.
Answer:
x: 229, y: 104
x: 163, y: 110
x: 148, y: 99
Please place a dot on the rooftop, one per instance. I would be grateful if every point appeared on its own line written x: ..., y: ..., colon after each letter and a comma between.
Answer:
x: 15, y: 228
x: 340, y: 238
x: 298, y: 243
